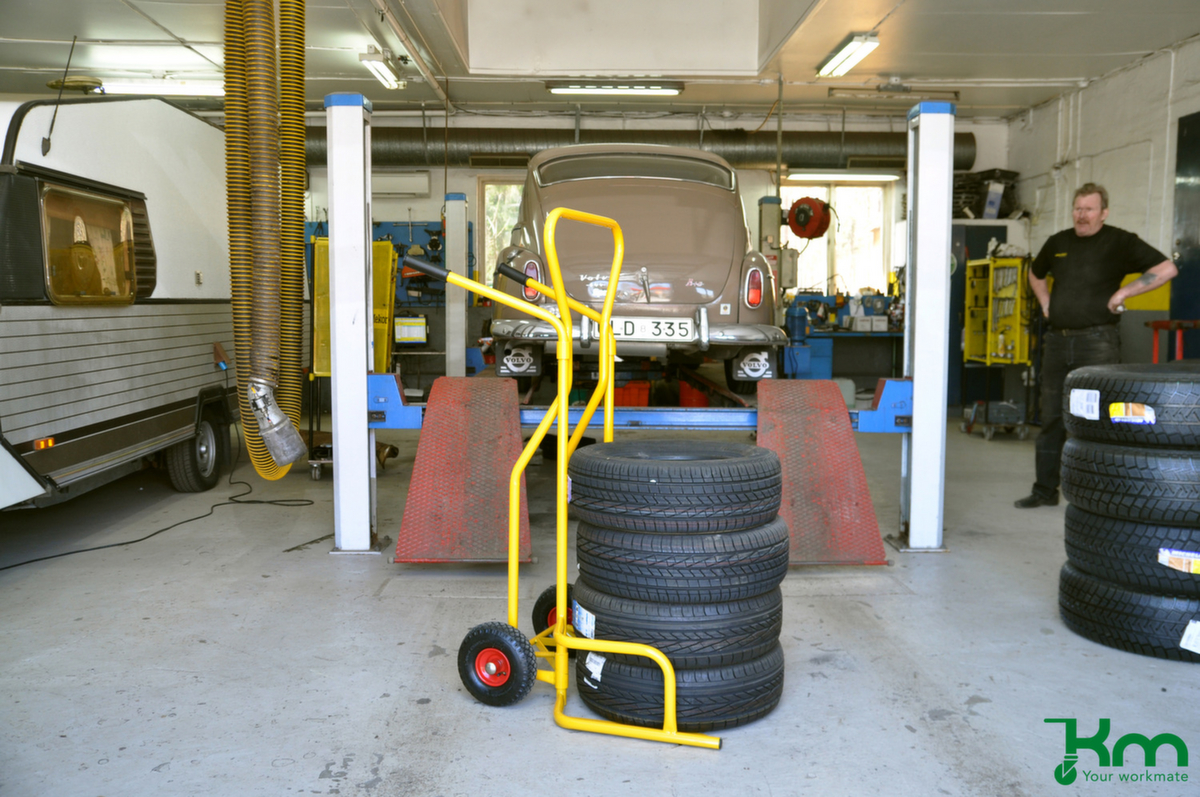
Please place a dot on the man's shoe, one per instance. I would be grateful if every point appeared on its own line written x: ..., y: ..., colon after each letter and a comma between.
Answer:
x: 1030, y: 501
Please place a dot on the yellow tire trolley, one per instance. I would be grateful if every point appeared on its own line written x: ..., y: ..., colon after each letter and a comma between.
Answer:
x: 497, y: 663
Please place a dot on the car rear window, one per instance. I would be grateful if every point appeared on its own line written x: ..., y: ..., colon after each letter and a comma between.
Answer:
x: 660, y: 167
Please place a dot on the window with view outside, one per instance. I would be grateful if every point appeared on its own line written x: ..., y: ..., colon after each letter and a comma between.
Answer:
x: 849, y: 257
x: 89, y: 247
x: 501, y: 201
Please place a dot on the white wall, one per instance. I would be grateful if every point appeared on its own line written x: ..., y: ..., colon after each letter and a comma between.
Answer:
x: 1120, y: 132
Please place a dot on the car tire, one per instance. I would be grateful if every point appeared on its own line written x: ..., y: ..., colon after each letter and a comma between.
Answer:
x: 1126, y: 552
x: 194, y: 465
x: 1151, y: 625
x: 1171, y: 390
x: 676, y: 486
x: 683, y: 568
x: 705, y: 699
x: 690, y: 635
x: 1159, y: 486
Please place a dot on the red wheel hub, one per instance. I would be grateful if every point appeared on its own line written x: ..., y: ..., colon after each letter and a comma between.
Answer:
x: 492, y: 667
x: 553, y: 616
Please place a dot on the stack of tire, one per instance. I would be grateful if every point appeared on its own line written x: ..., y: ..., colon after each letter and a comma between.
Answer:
x: 1131, y: 471
x: 680, y: 546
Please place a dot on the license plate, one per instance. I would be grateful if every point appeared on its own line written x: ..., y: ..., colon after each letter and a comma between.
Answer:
x: 655, y: 329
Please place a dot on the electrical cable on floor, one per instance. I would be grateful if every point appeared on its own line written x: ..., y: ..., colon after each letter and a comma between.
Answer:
x: 232, y: 500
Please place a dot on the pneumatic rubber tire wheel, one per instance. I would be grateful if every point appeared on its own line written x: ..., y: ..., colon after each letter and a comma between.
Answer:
x: 195, y: 465
x: 1126, y: 552
x: 742, y: 387
x: 705, y: 699
x: 691, y: 635
x: 1121, y: 618
x: 545, y: 608
x: 497, y: 664
x: 1154, y: 485
x: 673, y: 486
x: 1170, y: 390
x: 683, y: 568
x: 545, y: 612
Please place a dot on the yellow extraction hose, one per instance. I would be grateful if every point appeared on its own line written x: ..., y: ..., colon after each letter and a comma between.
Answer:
x: 267, y: 294
x: 292, y: 174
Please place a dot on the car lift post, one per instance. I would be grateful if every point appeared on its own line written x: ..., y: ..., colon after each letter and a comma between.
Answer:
x: 927, y: 318
x: 348, y: 131
x: 456, y: 297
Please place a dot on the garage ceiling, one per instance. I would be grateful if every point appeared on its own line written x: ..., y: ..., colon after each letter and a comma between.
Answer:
x: 493, y: 56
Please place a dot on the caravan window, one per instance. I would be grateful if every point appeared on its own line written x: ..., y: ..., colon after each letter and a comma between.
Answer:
x: 89, y: 247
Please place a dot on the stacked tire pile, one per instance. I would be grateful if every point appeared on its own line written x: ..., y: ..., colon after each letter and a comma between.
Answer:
x: 680, y: 547
x: 1131, y: 472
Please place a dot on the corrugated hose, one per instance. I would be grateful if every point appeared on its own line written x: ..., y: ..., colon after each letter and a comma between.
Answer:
x: 267, y: 290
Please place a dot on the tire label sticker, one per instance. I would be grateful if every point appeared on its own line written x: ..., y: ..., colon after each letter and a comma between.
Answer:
x: 1131, y: 413
x: 1191, y: 637
x: 595, y: 662
x: 583, y: 620
x: 1183, y: 561
x: 1085, y: 404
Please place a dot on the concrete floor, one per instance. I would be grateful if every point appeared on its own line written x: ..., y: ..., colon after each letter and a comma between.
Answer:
x: 225, y: 657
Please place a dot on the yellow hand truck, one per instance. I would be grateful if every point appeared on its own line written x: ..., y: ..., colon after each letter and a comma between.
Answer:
x: 497, y: 663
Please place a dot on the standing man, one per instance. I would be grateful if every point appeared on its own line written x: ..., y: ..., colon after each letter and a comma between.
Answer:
x: 1088, y: 263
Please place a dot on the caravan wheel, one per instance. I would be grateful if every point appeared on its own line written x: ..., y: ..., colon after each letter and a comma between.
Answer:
x: 195, y: 465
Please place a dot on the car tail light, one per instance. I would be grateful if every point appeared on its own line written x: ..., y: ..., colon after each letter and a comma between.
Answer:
x: 534, y: 273
x: 754, y: 287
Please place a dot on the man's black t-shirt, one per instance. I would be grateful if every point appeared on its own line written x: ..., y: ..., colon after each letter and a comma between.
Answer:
x: 1088, y: 271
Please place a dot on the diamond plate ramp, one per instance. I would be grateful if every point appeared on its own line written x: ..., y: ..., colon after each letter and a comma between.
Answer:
x: 825, y: 499
x: 457, y: 506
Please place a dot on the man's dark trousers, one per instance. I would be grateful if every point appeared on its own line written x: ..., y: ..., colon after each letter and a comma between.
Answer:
x: 1063, y: 351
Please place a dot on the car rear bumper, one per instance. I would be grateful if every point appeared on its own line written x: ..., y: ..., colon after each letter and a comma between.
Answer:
x: 719, y: 336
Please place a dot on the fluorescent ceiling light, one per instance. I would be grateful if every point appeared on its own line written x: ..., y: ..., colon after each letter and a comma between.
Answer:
x: 165, y: 87
x: 858, y: 47
x: 843, y: 177
x: 892, y: 94
x: 381, y: 66
x: 646, y: 89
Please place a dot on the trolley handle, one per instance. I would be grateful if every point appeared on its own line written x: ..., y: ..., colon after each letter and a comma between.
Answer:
x: 428, y: 269
x: 510, y: 272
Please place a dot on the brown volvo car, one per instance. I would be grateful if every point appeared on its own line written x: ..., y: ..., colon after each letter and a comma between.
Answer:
x: 691, y: 286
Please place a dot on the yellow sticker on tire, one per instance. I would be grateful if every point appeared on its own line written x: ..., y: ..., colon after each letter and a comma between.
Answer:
x: 1125, y: 412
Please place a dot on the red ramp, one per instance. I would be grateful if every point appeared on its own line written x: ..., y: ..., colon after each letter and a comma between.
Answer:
x: 457, y: 507
x: 825, y: 499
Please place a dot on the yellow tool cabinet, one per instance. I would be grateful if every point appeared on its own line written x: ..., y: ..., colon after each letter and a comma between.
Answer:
x: 383, y: 289
x: 997, y: 313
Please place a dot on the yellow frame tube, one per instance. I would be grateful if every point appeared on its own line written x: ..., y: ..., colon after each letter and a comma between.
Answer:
x: 603, y: 391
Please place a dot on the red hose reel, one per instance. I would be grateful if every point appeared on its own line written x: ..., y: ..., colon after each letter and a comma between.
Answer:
x: 809, y: 217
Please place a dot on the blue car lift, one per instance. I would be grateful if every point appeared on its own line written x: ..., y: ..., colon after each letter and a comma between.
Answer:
x: 891, y: 411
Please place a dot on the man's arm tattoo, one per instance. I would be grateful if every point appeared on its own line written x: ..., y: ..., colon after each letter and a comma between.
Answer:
x: 1148, y: 279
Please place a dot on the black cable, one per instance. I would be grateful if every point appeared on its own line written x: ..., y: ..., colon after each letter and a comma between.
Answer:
x: 233, y: 500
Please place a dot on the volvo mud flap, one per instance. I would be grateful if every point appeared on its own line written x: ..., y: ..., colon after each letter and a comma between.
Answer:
x: 519, y: 359
x: 752, y: 365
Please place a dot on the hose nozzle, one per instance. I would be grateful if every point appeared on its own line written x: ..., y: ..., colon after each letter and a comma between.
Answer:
x: 278, y: 433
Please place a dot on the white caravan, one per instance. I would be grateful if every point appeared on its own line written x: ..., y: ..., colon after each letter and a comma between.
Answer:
x: 114, y: 297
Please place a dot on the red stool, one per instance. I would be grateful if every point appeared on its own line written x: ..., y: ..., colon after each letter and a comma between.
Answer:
x: 1178, y: 327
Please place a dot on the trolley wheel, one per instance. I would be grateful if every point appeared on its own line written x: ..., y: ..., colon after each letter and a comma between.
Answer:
x: 315, y: 472
x: 497, y: 664
x: 1022, y: 432
x: 989, y: 432
x: 545, y: 608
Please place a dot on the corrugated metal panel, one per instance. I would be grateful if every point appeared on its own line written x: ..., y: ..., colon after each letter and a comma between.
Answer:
x: 63, y: 368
